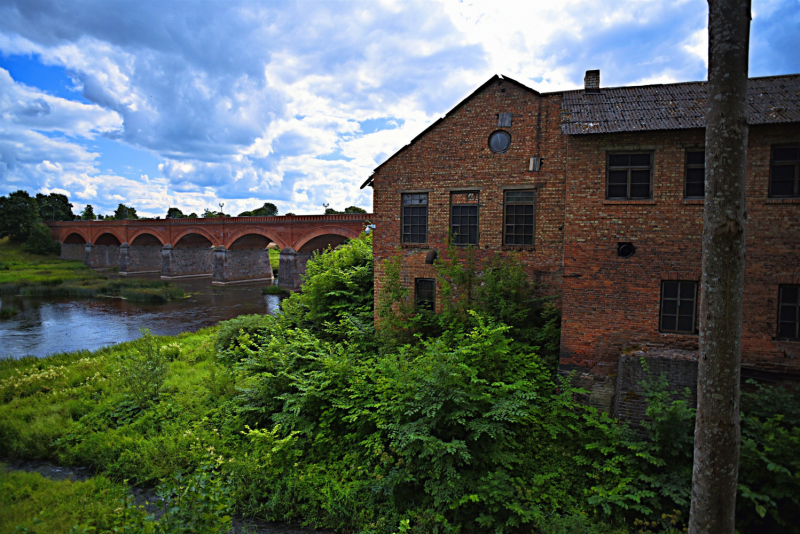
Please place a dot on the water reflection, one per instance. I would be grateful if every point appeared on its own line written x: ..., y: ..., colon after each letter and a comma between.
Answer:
x: 48, y: 325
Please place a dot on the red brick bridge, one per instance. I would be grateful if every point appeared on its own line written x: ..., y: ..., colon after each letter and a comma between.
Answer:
x: 228, y: 250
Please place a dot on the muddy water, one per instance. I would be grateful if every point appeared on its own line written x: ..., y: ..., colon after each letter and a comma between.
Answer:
x: 48, y: 325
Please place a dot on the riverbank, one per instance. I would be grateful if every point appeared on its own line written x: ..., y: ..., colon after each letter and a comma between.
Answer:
x: 31, y: 275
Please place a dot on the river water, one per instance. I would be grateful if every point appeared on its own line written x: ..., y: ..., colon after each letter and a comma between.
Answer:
x: 48, y: 325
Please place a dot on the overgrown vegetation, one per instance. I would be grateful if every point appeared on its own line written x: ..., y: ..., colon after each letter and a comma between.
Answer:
x: 274, y: 290
x: 430, y: 424
x: 34, y: 275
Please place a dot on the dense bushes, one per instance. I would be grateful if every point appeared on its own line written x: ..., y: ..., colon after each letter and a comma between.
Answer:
x: 40, y: 241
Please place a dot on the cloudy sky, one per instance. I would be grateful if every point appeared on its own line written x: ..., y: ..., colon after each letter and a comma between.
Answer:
x: 194, y: 103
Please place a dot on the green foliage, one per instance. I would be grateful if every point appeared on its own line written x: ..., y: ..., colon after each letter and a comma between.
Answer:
x: 40, y: 241
x: 238, y: 335
x: 274, y: 290
x: 350, y: 209
x: 143, y: 369
x: 207, y: 214
x: 125, y: 212
x: 19, y: 214
x: 175, y: 213
x: 88, y: 213
x: 55, y: 207
x: 267, y: 210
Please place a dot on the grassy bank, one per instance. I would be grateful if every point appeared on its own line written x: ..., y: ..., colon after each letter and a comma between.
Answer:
x: 450, y: 423
x: 49, y: 276
x: 274, y: 260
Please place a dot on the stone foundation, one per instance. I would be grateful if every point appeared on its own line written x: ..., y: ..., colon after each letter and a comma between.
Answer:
x: 291, y: 267
x: 186, y: 262
x: 101, y: 256
x: 240, y: 266
x: 139, y: 259
x: 74, y: 251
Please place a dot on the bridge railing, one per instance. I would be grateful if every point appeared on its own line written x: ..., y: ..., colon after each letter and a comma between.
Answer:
x: 218, y: 220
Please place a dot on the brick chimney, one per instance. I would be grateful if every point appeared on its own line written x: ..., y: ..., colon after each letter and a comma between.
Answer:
x: 592, y: 81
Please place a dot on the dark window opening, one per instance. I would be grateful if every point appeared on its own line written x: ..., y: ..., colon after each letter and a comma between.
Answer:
x: 415, y: 218
x: 425, y: 294
x: 499, y: 141
x: 695, y: 174
x: 789, y: 312
x: 625, y: 250
x: 784, y: 179
x: 678, y: 307
x: 520, y: 216
x: 630, y: 176
x: 464, y: 218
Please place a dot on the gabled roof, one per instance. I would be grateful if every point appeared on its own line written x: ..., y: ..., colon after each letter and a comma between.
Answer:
x: 457, y: 106
x: 772, y: 99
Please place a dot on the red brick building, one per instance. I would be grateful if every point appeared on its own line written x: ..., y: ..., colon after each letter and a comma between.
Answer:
x: 601, y: 192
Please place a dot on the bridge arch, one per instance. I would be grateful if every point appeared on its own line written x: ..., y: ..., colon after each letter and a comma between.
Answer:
x: 319, y: 238
x: 195, y: 230
x: 75, y: 237
x: 255, y: 231
x: 145, y: 238
x: 107, y: 237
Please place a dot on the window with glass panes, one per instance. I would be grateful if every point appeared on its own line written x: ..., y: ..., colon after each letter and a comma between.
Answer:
x: 630, y: 176
x: 784, y: 177
x: 678, y: 306
x: 520, y: 214
x: 464, y: 218
x: 415, y: 217
x: 695, y: 174
x: 425, y: 293
x: 789, y: 312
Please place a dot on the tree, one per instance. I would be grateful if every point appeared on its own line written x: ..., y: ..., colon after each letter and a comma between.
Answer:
x: 40, y: 241
x: 55, y: 207
x: 88, y: 213
x: 125, y: 212
x: 19, y: 212
x: 267, y: 210
x: 354, y: 209
x: 175, y: 213
x: 717, y: 428
x: 192, y: 215
x: 207, y: 214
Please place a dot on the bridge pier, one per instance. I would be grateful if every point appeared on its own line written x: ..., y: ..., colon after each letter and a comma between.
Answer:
x: 292, y: 265
x: 240, y: 266
x: 189, y: 262
x: 100, y: 256
x: 138, y: 259
x: 73, y: 251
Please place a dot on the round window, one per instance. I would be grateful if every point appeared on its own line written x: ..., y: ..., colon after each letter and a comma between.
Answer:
x: 499, y: 141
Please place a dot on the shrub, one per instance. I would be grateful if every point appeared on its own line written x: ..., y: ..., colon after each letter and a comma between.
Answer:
x: 274, y: 290
x: 241, y: 333
x: 40, y: 241
x: 143, y: 369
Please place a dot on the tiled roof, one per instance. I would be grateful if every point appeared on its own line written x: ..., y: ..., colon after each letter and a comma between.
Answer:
x: 773, y: 99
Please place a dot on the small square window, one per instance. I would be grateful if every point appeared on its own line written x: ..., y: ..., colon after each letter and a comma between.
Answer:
x: 678, y: 307
x: 695, y: 174
x: 784, y: 172
x: 415, y: 217
x: 504, y: 120
x: 425, y: 294
x: 789, y: 312
x: 630, y: 176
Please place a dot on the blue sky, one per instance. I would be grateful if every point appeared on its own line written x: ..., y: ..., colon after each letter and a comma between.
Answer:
x: 190, y: 104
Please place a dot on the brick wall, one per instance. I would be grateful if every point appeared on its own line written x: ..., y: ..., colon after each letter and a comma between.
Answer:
x: 454, y: 155
x: 612, y: 303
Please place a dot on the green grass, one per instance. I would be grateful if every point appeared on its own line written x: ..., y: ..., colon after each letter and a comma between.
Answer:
x: 56, y: 505
x: 48, y: 276
x: 274, y: 290
x: 274, y: 260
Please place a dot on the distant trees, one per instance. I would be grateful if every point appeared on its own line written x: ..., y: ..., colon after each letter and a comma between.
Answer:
x: 207, y: 214
x: 19, y: 212
x: 88, y: 213
x: 351, y: 209
x: 267, y: 210
x: 55, y: 207
x: 125, y: 212
x: 175, y: 213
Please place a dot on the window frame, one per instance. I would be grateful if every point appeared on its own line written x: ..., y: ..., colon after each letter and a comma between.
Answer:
x: 403, y: 218
x: 686, y: 168
x: 778, y: 335
x: 609, y: 168
x: 795, y: 162
x: 696, y: 286
x: 476, y: 205
x: 506, y: 204
x: 429, y: 305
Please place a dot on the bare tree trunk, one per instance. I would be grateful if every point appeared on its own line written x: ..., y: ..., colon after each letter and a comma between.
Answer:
x: 717, y: 433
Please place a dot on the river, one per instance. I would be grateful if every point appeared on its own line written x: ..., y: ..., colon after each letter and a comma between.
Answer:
x: 48, y: 325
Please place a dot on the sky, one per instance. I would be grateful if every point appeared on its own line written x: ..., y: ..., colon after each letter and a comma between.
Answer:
x: 194, y: 103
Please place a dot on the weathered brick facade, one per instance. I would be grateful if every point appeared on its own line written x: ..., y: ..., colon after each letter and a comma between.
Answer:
x: 609, y: 303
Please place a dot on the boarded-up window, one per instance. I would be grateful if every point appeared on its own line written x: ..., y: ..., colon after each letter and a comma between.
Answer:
x: 504, y: 120
x: 678, y: 306
x: 695, y: 174
x: 784, y: 180
x: 630, y: 176
x: 789, y: 312
x: 520, y: 216
x: 415, y: 217
x: 464, y: 217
